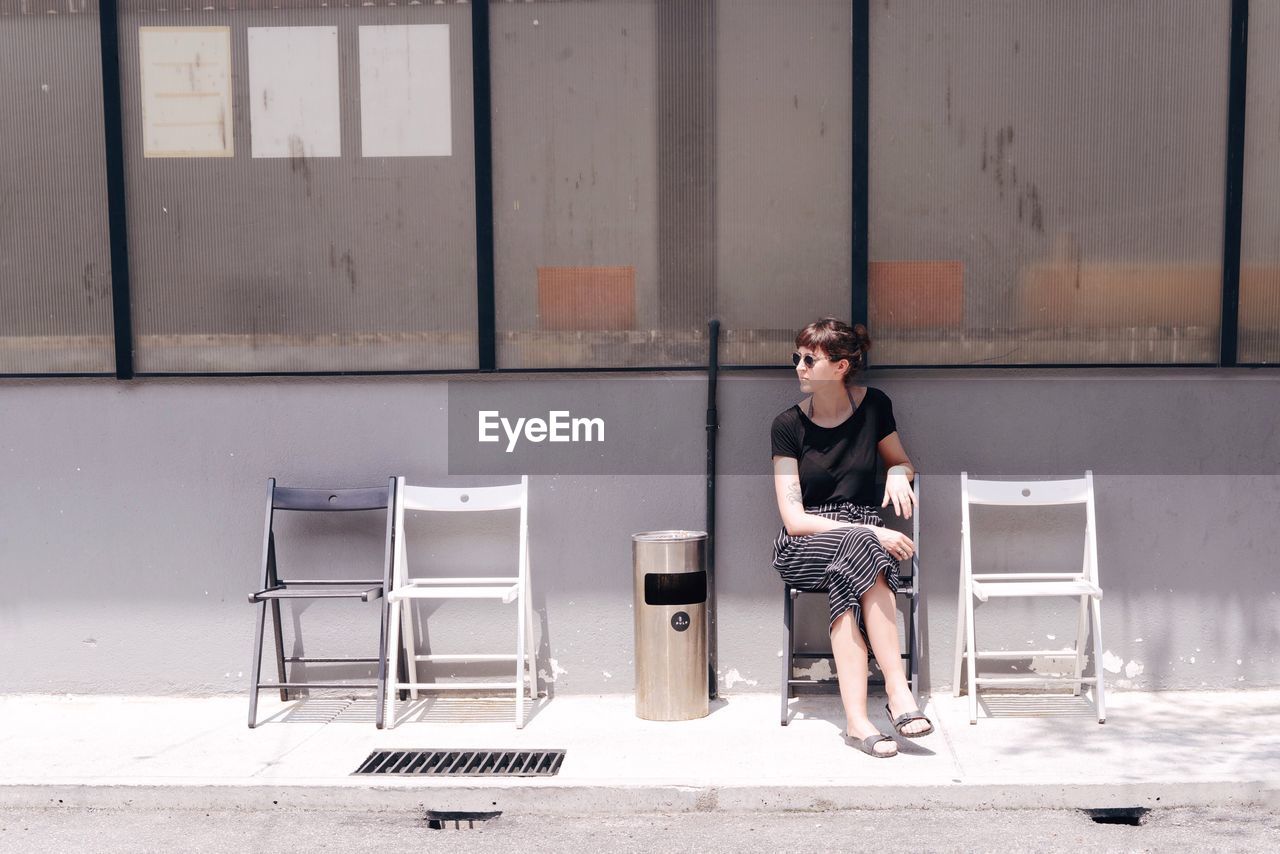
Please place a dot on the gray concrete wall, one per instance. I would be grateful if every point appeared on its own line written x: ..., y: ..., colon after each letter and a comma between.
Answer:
x: 132, y: 518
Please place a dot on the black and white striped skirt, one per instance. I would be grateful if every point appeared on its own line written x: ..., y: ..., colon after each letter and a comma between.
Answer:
x: 844, y: 562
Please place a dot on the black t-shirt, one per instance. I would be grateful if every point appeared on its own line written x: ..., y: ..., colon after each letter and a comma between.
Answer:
x: 836, y: 463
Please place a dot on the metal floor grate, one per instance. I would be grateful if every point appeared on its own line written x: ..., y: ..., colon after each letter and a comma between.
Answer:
x: 464, y: 763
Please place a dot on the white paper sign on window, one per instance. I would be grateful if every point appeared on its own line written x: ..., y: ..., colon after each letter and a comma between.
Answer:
x: 293, y: 92
x: 186, y: 91
x: 404, y: 91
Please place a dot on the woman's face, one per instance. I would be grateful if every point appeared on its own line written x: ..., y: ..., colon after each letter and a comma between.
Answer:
x: 823, y: 370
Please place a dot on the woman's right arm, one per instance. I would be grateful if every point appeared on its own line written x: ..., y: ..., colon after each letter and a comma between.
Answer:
x: 786, y: 485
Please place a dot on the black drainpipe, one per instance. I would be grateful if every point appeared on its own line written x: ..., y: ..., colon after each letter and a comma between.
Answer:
x: 713, y: 369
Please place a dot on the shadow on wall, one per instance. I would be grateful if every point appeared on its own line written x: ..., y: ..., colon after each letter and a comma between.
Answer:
x: 1191, y: 597
x: 1190, y: 601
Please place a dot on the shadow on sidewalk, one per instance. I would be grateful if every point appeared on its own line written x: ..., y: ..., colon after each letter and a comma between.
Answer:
x: 466, y: 710
x: 826, y: 707
x: 433, y: 709
x: 1037, y: 705
x: 325, y: 710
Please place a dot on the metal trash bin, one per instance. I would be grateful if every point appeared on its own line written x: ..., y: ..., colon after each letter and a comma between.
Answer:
x: 671, y: 624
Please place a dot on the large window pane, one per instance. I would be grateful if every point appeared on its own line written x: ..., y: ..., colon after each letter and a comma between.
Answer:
x: 783, y: 102
x: 576, y: 186
x: 325, y: 220
x: 1047, y: 180
x: 1260, y: 226
x: 55, y: 265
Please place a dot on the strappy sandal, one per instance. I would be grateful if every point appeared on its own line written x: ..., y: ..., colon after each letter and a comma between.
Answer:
x: 905, y: 718
x: 868, y: 745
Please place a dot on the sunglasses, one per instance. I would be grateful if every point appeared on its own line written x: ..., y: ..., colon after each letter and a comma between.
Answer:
x: 809, y: 359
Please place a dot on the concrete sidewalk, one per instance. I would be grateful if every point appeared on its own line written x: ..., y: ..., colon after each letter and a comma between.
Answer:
x: 1156, y: 750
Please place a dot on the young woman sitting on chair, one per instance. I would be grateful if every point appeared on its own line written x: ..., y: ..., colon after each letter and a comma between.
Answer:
x: 825, y: 451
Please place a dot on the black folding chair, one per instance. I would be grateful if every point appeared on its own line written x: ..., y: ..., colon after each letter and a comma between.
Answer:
x: 274, y: 588
x: 910, y: 588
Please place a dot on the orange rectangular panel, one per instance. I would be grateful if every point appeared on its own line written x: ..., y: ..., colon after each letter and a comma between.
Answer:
x: 1094, y: 295
x: 586, y: 298
x: 915, y: 295
x: 1259, y: 296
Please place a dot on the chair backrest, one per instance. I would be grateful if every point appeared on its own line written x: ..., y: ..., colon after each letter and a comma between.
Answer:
x: 1029, y: 493
x: 510, y: 496
x: 358, y: 498
x: 314, y: 500
x: 447, y: 499
x: 1026, y: 493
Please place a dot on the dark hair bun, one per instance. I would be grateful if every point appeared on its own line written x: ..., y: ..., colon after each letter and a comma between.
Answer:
x: 838, y: 340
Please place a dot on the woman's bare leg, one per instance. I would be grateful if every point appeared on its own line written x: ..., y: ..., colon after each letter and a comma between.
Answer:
x: 850, y: 652
x: 880, y: 614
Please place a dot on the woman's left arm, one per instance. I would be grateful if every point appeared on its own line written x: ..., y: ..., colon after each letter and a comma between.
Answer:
x: 897, y: 485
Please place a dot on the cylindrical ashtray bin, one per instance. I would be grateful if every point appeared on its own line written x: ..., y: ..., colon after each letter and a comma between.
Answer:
x: 671, y: 624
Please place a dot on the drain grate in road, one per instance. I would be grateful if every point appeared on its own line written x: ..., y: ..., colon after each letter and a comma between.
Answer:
x: 464, y: 763
x: 440, y: 819
x: 1132, y: 816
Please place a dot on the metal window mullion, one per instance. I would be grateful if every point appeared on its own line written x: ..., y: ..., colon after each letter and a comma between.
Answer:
x: 482, y: 119
x: 1233, y: 206
x: 113, y: 149
x: 861, y: 150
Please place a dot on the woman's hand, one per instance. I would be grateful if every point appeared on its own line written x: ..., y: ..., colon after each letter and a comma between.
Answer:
x: 897, y: 545
x: 897, y: 490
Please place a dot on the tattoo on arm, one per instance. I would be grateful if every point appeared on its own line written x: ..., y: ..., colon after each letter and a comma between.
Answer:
x: 793, y: 494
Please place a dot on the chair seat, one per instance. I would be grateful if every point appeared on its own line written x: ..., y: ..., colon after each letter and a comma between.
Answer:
x: 506, y: 593
x: 504, y: 588
x: 906, y: 588
x: 363, y: 591
x: 985, y: 590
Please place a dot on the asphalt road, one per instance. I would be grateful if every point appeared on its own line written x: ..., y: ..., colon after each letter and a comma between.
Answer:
x: 121, y: 830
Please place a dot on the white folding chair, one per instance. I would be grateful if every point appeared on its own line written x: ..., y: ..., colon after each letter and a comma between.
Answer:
x: 983, y: 586
x: 510, y: 589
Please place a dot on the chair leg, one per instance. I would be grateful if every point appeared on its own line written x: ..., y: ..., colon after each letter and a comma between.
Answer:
x: 531, y: 650
x: 279, y: 636
x: 956, y: 682
x: 380, y: 703
x: 410, y: 645
x: 788, y: 647
x: 1082, y: 626
x: 971, y: 654
x: 913, y: 657
x: 1098, y: 670
x: 520, y: 662
x: 402, y: 676
x: 255, y: 668
x: 393, y: 663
